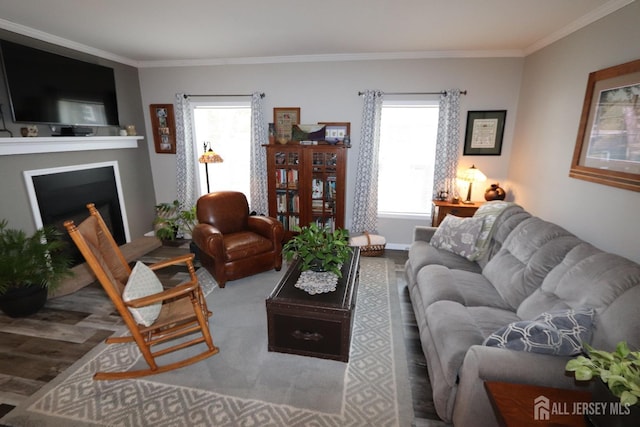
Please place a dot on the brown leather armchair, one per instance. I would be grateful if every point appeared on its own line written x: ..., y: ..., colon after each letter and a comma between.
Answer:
x: 232, y: 243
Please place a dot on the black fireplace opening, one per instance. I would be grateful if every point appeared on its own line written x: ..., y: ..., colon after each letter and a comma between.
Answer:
x: 64, y: 196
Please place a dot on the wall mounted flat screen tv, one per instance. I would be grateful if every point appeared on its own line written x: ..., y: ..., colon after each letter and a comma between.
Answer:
x: 46, y: 88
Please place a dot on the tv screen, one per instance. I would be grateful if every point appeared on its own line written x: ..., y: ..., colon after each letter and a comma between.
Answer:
x: 48, y: 88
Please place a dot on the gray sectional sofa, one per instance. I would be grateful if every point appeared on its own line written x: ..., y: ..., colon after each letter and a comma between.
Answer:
x: 527, y: 267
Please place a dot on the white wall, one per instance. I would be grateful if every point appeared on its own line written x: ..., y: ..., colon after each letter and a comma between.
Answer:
x: 552, y: 93
x: 327, y: 91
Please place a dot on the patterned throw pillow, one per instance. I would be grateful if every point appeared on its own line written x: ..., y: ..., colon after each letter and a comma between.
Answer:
x: 560, y: 332
x: 458, y: 235
x: 143, y: 282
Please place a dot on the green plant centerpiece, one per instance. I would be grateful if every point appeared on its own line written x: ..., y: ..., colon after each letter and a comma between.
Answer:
x: 319, y: 249
x: 29, y: 267
x: 173, y: 220
x: 619, y: 370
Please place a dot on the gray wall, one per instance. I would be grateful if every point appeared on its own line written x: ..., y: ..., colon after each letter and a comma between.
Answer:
x: 327, y: 91
x: 134, y: 164
x: 552, y: 93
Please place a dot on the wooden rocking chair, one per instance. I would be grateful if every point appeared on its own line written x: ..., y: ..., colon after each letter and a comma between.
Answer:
x: 183, y: 311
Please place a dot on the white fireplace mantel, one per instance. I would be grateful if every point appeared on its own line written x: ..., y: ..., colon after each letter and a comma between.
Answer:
x: 59, y: 144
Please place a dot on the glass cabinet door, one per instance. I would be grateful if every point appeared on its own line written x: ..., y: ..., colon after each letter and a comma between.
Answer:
x: 323, y: 189
x: 287, y: 181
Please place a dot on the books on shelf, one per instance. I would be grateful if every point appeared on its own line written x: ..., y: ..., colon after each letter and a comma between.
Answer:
x: 287, y: 178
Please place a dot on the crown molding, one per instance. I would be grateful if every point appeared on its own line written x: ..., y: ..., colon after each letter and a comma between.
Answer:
x: 339, y: 57
x: 602, y: 11
x: 50, y: 38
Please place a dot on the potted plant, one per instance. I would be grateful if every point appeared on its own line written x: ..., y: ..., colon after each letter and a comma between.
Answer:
x: 29, y: 267
x: 619, y: 381
x: 172, y: 221
x: 319, y: 249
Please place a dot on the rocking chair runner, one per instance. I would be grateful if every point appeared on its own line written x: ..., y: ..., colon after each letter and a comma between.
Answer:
x: 184, y: 309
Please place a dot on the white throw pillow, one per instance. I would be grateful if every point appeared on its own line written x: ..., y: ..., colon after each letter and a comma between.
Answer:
x: 458, y: 235
x: 143, y: 282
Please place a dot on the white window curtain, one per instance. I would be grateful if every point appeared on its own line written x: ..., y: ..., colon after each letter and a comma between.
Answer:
x: 258, y: 164
x: 448, y: 144
x: 186, y: 165
x: 365, y: 207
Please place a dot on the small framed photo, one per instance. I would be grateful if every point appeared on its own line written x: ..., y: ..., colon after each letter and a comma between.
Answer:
x: 484, y: 133
x: 336, y: 131
x: 164, y: 128
x: 283, y: 119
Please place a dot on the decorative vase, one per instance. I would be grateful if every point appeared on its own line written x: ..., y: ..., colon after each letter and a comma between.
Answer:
x: 494, y: 193
x: 23, y: 301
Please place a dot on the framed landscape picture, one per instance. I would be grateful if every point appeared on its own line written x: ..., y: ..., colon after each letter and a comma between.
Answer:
x: 485, y: 130
x: 607, y: 148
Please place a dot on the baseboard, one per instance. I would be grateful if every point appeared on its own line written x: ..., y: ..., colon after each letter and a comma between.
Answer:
x: 398, y: 246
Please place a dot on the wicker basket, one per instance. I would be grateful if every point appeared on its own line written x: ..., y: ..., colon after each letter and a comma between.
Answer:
x: 371, y: 250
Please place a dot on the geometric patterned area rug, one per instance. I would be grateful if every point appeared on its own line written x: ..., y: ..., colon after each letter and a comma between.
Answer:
x: 244, y: 384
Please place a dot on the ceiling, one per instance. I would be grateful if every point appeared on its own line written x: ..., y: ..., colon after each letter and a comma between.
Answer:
x: 172, y: 32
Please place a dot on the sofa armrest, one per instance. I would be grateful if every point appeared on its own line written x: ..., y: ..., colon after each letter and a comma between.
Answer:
x: 423, y: 233
x: 209, y: 239
x: 482, y: 363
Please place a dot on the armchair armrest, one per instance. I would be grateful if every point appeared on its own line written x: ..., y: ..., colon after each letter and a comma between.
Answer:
x: 209, y: 239
x: 423, y: 233
x: 171, y: 293
x: 182, y: 259
x: 267, y: 227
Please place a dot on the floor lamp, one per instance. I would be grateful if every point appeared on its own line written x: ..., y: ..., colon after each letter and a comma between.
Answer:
x: 209, y: 156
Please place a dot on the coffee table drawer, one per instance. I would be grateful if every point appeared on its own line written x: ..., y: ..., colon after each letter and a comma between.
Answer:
x: 310, y: 336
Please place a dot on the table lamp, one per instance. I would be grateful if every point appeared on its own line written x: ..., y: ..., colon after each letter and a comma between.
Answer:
x: 472, y: 175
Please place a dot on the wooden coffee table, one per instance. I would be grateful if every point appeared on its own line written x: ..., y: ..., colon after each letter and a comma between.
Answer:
x: 313, y: 325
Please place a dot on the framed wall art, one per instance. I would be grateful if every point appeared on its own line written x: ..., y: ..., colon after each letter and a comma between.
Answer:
x: 607, y: 148
x: 164, y: 128
x: 284, y: 118
x: 336, y: 131
x: 484, y: 133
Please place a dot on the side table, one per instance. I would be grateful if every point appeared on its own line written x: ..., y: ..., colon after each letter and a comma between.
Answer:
x: 442, y: 207
x: 524, y: 405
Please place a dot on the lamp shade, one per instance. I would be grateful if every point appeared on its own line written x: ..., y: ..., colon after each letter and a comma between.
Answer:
x: 210, y: 156
x: 473, y: 174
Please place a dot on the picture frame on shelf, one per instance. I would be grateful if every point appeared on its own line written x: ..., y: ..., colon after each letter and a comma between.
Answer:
x: 335, y: 132
x: 164, y: 128
x: 484, y: 133
x: 283, y: 119
x: 607, y: 147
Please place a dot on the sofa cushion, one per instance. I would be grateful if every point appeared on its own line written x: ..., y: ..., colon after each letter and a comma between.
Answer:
x: 458, y: 235
x: 142, y: 283
x: 438, y: 283
x: 560, y: 332
x: 529, y: 253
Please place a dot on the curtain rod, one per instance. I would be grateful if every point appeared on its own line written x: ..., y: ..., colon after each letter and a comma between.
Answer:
x: 442, y: 92
x: 189, y: 95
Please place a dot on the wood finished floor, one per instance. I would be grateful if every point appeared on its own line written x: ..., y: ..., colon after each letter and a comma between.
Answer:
x: 34, y: 350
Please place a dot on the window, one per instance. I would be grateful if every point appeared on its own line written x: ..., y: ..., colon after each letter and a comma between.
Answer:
x: 227, y: 126
x: 408, y: 133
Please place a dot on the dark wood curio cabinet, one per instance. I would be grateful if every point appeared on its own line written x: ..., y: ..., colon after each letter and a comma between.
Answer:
x: 307, y: 185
